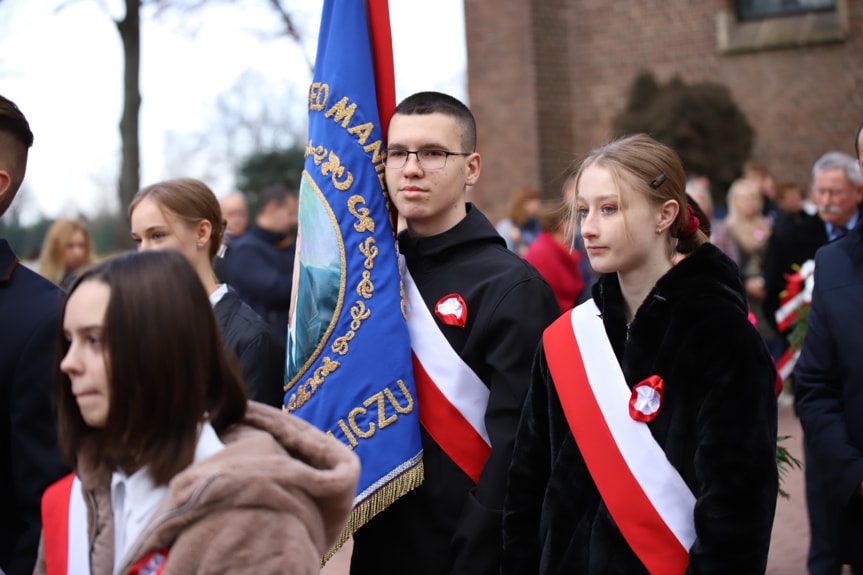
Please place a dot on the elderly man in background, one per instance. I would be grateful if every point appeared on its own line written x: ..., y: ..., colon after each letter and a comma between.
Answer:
x: 828, y: 376
x: 235, y: 212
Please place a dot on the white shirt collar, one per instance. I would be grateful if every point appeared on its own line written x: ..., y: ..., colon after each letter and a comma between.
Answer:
x: 217, y: 295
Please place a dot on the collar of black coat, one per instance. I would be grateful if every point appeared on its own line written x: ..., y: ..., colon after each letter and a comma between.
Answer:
x: 277, y: 239
x: 474, y: 227
x: 8, y: 261
x: 706, y: 271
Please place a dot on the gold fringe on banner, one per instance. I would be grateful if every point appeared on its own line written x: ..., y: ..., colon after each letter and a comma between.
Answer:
x: 377, y: 502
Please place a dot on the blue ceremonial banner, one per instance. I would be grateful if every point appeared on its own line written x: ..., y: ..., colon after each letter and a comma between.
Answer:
x: 349, y: 369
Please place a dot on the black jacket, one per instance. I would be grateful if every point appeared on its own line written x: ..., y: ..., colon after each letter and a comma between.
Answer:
x: 829, y: 383
x: 260, y: 266
x: 793, y: 241
x: 717, y: 426
x: 449, y: 525
x: 261, y: 355
x: 29, y: 457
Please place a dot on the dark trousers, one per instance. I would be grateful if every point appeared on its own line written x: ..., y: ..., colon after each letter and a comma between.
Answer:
x: 824, y: 550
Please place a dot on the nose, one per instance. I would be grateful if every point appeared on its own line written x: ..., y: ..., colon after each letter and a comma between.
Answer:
x: 412, y: 165
x: 587, y: 227
x: 70, y: 364
x: 143, y: 245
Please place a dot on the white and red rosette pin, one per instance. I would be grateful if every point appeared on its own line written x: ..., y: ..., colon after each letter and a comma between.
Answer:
x: 646, y: 399
x: 451, y: 310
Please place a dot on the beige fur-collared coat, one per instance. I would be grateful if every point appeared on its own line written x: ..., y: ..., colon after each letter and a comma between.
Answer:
x: 272, y: 501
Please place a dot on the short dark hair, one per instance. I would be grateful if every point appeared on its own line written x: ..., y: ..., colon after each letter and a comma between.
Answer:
x: 12, y: 121
x: 276, y: 193
x: 857, y: 140
x: 423, y: 103
x: 166, y: 362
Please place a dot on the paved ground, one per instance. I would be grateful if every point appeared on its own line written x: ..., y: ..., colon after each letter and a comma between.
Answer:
x: 790, y: 540
x: 790, y: 529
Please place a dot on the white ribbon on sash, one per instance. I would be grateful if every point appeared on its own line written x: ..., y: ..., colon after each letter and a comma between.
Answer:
x: 449, y: 380
x: 649, y: 501
x: 661, y: 482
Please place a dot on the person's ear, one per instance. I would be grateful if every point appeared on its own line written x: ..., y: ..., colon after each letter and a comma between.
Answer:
x: 473, y: 166
x: 5, y: 189
x: 668, y: 213
x: 204, y: 231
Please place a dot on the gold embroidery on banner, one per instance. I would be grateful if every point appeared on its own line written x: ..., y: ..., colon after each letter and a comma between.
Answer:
x: 363, y: 131
x: 370, y: 250
x: 358, y: 314
x: 342, y: 112
x: 334, y: 166
x: 351, y: 428
x: 395, y: 404
x: 366, y: 223
x: 319, y: 93
x: 366, y: 288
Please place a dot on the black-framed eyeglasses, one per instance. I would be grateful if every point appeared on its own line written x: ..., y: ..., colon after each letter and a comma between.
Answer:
x: 427, y: 159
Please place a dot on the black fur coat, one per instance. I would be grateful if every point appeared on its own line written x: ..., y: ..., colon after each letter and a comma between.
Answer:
x: 717, y: 427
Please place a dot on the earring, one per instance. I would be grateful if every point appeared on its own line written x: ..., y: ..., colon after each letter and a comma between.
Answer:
x: 658, y: 230
x: 200, y: 245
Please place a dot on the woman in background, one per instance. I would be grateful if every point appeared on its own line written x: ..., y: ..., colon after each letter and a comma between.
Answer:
x: 174, y: 472
x: 521, y: 225
x: 184, y: 215
x: 681, y: 478
x: 67, y: 249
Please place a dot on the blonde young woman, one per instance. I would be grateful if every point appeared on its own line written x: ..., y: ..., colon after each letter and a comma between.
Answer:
x: 66, y: 249
x: 184, y: 215
x: 647, y: 442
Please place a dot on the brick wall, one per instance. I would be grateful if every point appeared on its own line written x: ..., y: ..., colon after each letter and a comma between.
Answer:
x: 546, y: 77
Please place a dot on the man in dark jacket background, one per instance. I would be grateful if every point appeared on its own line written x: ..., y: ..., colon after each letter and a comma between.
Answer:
x: 829, y: 401
x: 29, y: 310
x: 261, y: 264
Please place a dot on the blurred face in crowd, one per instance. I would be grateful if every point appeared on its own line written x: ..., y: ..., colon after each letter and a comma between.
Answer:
x: 75, y: 252
x: 86, y: 360
x: 235, y: 213
x: 835, y: 196
x: 155, y: 228
x: 748, y: 200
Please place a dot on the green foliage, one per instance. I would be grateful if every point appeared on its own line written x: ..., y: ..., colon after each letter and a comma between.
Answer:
x: 784, y: 462
x: 700, y: 121
x: 263, y: 169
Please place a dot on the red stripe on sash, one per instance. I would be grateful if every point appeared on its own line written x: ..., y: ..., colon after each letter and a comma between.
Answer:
x: 448, y: 427
x: 643, y: 528
x: 55, y: 525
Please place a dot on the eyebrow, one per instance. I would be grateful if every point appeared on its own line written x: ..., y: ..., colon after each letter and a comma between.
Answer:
x: 426, y: 146
x: 602, y: 198
x: 84, y: 329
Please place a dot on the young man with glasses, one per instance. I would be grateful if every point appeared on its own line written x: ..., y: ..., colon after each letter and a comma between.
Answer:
x: 476, y: 312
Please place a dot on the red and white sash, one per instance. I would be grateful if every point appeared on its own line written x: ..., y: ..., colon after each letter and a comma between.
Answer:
x: 452, y: 399
x: 64, y: 528
x: 649, y: 501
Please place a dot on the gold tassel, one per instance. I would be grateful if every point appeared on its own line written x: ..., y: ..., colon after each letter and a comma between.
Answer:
x: 380, y: 500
